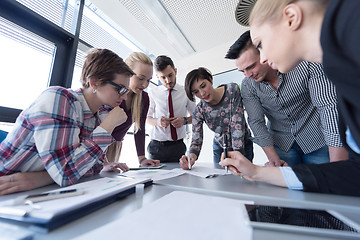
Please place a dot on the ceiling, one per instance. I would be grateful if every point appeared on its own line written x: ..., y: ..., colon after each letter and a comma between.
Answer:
x: 208, y: 25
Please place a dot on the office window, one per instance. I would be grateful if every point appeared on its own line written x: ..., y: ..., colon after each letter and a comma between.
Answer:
x: 94, y: 24
x: 60, y: 12
x: 79, y: 61
x: 25, y: 62
x: 232, y: 76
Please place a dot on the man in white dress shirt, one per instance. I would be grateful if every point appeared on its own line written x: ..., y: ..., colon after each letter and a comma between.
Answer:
x: 169, y: 111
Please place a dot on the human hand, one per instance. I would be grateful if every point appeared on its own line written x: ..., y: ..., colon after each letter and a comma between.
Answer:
x: 177, y: 122
x: 276, y: 163
x: 24, y: 181
x: 184, y: 161
x: 115, y: 167
x: 163, y: 122
x: 150, y: 162
x: 116, y: 117
x: 239, y: 165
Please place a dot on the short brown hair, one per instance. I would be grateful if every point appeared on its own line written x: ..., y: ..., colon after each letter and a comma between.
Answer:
x: 103, y: 64
x: 162, y: 61
x: 196, y: 74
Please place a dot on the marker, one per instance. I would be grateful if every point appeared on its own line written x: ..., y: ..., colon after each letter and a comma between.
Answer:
x: 47, y: 196
x: 225, y: 149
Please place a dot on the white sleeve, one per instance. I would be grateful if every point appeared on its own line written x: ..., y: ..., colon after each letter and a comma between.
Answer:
x: 291, y: 179
x: 190, y: 106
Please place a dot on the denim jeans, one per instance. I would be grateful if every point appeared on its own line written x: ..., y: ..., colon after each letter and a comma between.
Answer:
x: 297, y: 156
x: 218, y: 150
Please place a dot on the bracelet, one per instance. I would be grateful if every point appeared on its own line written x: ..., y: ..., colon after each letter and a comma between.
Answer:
x: 141, y: 160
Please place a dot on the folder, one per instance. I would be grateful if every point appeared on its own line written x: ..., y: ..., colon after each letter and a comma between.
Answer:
x: 55, y: 213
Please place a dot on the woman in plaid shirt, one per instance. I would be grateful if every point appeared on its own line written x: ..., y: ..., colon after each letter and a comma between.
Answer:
x: 67, y: 132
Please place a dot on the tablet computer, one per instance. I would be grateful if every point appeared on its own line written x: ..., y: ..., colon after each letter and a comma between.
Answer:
x: 148, y: 167
x: 300, y: 220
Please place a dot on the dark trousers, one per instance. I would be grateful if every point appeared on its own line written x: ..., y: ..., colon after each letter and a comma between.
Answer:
x: 167, y: 151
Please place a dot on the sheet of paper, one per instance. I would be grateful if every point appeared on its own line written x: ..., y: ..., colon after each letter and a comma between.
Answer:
x: 179, y: 216
x: 154, y: 174
x: 201, y: 171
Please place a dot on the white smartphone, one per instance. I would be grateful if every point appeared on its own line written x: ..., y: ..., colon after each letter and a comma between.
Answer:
x: 300, y: 220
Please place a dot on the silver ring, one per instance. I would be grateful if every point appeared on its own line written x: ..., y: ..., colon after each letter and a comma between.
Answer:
x: 11, y: 178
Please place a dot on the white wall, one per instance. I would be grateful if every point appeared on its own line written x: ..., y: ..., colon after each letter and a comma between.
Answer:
x: 213, y: 59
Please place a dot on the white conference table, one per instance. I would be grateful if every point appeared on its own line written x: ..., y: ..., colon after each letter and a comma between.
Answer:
x: 224, y: 186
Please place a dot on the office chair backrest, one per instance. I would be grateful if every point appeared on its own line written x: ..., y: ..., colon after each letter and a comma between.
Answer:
x: 3, y: 135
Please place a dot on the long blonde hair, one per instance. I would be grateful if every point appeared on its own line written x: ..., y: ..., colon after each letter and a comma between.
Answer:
x: 270, y: 11
x: 131, y: 61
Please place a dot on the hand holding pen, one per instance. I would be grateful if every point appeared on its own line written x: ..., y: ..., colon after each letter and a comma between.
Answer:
x: 186, y: 162
x: 189, y: 159
x: 239, y: 165
x: 188, y: 143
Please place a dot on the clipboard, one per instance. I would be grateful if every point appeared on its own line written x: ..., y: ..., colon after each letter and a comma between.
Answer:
x: 55, y: 213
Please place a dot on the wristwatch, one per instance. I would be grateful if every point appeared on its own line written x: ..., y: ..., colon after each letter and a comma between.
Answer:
x: 186, y: 121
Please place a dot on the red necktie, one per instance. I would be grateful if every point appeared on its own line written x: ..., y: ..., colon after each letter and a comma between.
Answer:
x: 171, y: 110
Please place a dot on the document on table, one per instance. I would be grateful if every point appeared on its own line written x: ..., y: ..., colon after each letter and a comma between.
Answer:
x: 154, y: 174
x: 160, y: 174
x: 204, y: 172
x: 202, y: 217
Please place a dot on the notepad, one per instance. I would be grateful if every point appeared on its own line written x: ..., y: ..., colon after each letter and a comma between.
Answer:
x: 201, y: 171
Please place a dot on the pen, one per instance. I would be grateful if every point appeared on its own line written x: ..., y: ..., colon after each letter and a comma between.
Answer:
x: 225, y: 149
x: 188, y: 156
x: 188, y: 147
x: 47, y: 196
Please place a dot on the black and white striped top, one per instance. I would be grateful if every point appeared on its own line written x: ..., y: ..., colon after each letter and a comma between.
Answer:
x: 302, y: 109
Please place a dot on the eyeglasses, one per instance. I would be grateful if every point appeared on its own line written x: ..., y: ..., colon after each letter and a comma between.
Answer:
x: 121, y: 89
